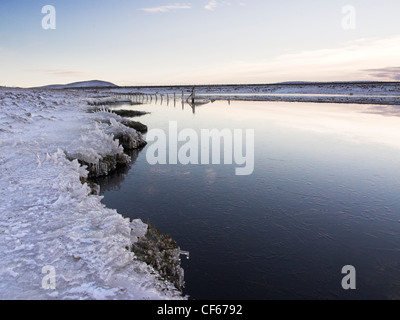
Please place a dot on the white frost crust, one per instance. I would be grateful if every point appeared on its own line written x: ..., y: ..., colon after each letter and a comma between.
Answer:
x: 49, y: 218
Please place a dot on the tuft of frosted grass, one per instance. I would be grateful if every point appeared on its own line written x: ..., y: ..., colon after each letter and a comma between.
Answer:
x: 95, y: 145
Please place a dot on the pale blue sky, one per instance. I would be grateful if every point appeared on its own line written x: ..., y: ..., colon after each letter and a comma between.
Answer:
x: 197, y: 42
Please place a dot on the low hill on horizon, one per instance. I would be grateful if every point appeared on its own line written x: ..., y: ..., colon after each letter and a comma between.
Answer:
x: 81, y: 84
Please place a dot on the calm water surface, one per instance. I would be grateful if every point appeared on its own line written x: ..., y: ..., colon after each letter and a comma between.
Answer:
x: 324, y: 194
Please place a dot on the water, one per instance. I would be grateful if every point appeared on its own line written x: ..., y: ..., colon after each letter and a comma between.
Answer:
x: 324, y: 194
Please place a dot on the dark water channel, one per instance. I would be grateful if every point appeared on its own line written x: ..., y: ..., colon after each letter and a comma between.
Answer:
x: 324, y: 194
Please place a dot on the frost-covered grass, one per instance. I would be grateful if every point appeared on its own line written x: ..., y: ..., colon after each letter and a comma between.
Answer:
x: 49, y: 218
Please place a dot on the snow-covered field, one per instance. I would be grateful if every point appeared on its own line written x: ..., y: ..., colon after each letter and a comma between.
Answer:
x: 384, y: 93
x: 48, y: 218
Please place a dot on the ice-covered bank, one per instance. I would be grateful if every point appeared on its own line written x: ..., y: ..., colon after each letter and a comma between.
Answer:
x: 49, y: 218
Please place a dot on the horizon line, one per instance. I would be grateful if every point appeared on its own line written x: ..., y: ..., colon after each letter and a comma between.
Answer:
x: 211, y: 85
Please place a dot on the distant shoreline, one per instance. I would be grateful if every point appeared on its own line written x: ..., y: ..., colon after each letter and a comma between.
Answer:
x: 360, y: 92
x: 278, y: 84
x: 380, y: 93
x: 289, y: 83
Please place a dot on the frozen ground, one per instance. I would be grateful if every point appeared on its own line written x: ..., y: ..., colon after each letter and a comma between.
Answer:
x: 49, y: 218
x: 383, y: 93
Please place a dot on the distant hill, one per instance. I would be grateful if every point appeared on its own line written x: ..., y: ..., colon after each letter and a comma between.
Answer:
x: 82, y: 84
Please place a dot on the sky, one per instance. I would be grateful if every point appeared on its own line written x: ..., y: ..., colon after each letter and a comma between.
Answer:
x: 158, y: 42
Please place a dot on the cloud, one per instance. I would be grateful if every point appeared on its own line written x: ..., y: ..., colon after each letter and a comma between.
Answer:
x: 389, y: 73
x: 60, y: 72
x: 168, y: 8
x: 362, y: 59
x: 211, y: 5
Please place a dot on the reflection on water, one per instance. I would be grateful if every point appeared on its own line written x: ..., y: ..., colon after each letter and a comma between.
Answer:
x: 324, y: 194
x: 114, y: 181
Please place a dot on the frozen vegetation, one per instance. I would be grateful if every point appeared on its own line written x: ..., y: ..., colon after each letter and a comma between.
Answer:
x: 49, y: 145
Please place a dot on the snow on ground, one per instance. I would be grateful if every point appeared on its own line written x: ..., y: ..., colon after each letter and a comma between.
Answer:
x: 49, y: 218
x: 384, y: 93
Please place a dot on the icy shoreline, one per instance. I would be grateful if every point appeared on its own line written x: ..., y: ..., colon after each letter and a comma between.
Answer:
x: 48, y: 217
